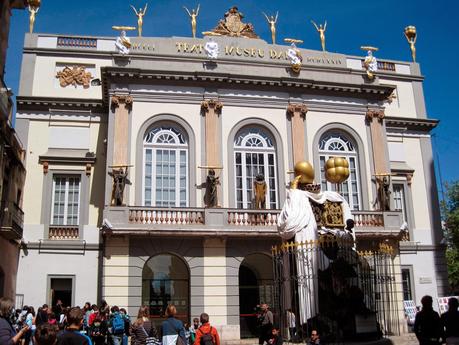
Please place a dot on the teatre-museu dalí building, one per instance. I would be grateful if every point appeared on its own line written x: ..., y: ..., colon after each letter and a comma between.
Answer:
x: 167, y: 107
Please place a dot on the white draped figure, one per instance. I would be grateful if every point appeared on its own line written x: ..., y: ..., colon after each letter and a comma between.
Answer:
x: 211, y: 49
x: 297, y: 222
x: 123, y: 43
x: 294, y: 55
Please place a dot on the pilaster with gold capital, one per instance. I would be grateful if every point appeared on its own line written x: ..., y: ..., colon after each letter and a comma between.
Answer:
x: 121, y: 106
x: 211, y: 109
x: 375, y: 114
x: 296, y: 113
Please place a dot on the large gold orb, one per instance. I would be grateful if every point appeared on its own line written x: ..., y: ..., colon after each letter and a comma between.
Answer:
x: 34, y: 3
x: 305, y: 170
x: 410, y: 32
x: 336, y: 169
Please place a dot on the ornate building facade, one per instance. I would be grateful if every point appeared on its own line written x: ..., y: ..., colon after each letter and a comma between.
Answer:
x: 12, y: 170
x: 121, y: 144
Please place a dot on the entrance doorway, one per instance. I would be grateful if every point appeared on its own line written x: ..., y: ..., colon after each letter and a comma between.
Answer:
x: 61, y: 288
x: 255, y: 287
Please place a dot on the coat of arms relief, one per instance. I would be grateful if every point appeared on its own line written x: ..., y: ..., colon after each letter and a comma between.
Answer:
x: 232, y: 25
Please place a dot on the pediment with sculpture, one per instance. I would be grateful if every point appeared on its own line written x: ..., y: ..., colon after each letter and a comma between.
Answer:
x: 232, y: 25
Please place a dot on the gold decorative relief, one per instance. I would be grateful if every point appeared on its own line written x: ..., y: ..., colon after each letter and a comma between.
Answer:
x: 76, y: 75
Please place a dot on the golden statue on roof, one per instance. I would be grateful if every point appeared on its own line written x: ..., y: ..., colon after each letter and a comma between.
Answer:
x: 193, y: 16
x: 232, y: 25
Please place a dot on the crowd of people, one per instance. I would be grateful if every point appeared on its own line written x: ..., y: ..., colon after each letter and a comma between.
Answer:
x: 98, y: 325
x: 432, y: 329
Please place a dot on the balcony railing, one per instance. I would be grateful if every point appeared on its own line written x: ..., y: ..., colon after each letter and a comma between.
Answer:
x: 12, y: 221
x: 228, y: 220
x: 63, y: 232
x: 76, y: 42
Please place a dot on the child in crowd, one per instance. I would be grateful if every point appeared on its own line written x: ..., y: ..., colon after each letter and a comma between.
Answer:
x: 188, y: 333
x: 193, y: 330
x: 276, y: 338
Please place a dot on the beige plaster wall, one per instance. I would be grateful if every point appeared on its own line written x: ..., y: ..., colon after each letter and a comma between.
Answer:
x: 45, y: 77
x: 422, y: 233
x: 404, y: 104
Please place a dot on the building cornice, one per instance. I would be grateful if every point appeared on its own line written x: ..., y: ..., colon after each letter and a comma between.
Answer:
x: 414, y: 124
x: 47, y: 103
x: 205, y: 78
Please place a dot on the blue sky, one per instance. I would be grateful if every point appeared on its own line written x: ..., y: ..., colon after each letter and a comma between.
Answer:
x: 350, y: 25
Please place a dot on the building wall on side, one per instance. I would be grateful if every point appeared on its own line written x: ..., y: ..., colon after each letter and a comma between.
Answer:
x: 38, y: 265
x: 9, y: 257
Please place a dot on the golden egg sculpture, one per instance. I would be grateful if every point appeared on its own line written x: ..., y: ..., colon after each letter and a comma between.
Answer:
x: 336, y: 169
x: 305, y: 170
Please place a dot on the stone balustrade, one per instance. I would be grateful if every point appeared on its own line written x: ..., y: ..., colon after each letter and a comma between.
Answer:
x: 63, y: 232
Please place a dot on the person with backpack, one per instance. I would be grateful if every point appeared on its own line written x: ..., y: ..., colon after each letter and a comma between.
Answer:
x: 98, y: 330
x: 172, y: 329
x: 116, y: 325
x: 206, y: 334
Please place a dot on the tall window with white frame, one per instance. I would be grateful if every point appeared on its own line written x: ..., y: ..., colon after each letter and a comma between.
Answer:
x: 254, y: 154
x: 166, y: 167
x: 338, y: 144
x: 66, y: 200
x: 399, y: 199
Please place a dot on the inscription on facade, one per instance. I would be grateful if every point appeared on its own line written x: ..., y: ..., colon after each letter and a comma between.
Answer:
x: 257, y: 53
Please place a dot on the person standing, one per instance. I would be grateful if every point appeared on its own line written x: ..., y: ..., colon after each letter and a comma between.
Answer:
x: 291, y: 323
x: 427, y: 324
x: 116, y: 325
x: 8, y: 335
x: 315, y: 338
x: 71, y: 335
x: 194, y: 327
x: 46, y: 334
x: 276, y: 338
x: 42, y: 315
x: 172, y: 329
x: 450, y: 322
x: 206, y: 334
x: 266, y: 320
x: 142, y: 328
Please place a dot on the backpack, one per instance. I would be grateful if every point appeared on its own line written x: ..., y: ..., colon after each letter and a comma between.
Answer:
x: 206, y: 338
x: 117, y: 324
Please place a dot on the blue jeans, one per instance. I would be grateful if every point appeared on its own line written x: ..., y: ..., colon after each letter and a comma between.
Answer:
x: 117, y: 339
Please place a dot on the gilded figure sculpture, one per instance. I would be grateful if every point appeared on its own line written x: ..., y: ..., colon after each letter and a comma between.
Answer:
x: 119, y: 182
x: 411, y: 36
x: 259, y: 189
x: 272, y: 25
x: 33, y: 7
x: 211, y: 196
x: 193, y: 17
x: 321, y: 30
x: 140, y: 15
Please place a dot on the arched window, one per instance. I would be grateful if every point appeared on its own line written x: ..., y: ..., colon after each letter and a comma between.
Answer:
x: 166, y: 167
x: 337, y: 144
x: 254, y: 154
x: 166, y: 280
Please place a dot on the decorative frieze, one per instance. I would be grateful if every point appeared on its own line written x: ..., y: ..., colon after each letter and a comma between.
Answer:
x: 76, y: 75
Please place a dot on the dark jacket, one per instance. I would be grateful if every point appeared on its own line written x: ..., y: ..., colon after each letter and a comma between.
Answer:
x: 139, y: 332
x: 6, y: 332
x: 171, y: 327
x: 427, y: 326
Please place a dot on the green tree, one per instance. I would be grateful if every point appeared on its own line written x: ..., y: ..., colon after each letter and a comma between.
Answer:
x: 450, y: 210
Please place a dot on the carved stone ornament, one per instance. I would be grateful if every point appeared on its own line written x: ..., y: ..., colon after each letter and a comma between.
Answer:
x: 118, y: 99
x: 375, y: 114
x: 211, y: 104
x: 75, y: 76
x: 298, y: 108
x: 232, y: 25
